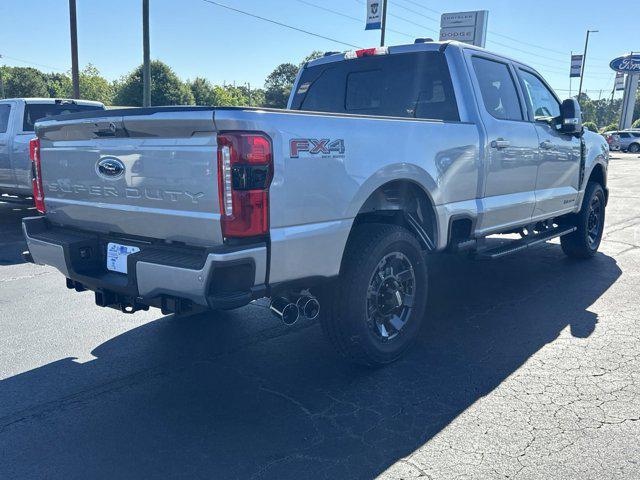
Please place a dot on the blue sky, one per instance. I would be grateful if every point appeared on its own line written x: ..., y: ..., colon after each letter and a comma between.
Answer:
x: 197, y: 38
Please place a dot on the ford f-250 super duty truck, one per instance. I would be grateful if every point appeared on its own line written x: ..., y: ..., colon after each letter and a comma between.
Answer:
x: 17, y: 119
x: 382, y: 156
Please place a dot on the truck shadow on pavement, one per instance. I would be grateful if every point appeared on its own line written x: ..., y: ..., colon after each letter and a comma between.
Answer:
x: 202, y: 397
x: 12, y: 242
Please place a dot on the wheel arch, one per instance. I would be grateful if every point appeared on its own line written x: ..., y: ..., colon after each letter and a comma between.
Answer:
x: 402, y: 202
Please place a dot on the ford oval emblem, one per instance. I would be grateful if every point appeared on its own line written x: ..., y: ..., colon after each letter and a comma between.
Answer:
x: 110, y: 168
x: 627, y: 64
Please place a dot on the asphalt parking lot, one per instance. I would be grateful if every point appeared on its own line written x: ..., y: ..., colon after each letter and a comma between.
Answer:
x: 527, y: 367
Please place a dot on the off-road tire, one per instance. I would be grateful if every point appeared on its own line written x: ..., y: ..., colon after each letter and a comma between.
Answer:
x: 344, y: 314
x: 578, y: 244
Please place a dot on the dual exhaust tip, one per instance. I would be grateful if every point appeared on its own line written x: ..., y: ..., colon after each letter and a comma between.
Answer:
x: 289, y: 312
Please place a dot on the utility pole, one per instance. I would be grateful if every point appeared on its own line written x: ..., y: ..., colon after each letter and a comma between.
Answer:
x: 584, y: 61
x: 146, y: 67
x: 1, y: 82
x: 383, y: 26
x: 73, y: 25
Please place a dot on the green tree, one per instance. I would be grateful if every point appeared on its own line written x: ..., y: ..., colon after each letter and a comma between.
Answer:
x: 590, y: 126
x: 636, y: 124
x: 25, y: 82
x: 166, y: 87
x: 95, y: 87
x: 278, y: 85
x: 59, y: 85
x: 202, y: 91
x: 312, y: 56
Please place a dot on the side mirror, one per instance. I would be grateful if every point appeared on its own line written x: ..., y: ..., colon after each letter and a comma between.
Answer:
x: 570, y: 117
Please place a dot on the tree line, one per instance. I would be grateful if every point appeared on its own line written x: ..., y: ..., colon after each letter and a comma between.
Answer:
x: 168, y: 89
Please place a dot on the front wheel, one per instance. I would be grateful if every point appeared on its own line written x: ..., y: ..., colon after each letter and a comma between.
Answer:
x: 584, y: 242
x: 634, y: 148
x: 374, y: 312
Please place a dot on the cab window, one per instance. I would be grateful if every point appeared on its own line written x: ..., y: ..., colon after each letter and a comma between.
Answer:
x: 498, y: 89
x: 5, y: 110
x: 413, y: 85
x: 539, y: 98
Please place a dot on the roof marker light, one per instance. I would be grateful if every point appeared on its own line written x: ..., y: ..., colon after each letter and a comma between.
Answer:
x: 366, y: 52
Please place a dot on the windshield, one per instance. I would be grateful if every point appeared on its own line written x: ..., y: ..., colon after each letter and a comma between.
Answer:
x: 36, y: 111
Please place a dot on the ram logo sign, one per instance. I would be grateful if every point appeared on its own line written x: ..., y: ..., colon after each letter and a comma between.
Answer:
x: 310, y: 147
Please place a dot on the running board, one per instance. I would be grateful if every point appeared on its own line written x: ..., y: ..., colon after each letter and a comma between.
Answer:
x: 523, y: 243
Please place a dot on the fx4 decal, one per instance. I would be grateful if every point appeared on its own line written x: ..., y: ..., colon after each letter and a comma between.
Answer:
x: 312, y: 146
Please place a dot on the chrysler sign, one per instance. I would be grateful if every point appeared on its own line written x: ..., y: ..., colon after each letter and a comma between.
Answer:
x: 627, y: 64
x: 468, y: 27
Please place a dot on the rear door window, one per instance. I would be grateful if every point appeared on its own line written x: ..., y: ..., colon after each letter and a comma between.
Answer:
x: 498, y: 89
x: 37, y: 111
x: 5, y: 111
x: 414, y: 85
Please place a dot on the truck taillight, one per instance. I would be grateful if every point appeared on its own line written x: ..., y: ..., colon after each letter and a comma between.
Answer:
x: 245, y: 169
x: 36, y: 174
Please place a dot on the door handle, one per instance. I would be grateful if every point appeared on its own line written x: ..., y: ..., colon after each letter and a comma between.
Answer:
x: 546, y: 145
x: 500, y: 143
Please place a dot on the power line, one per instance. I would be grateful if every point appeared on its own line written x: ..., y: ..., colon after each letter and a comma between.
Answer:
x: 359, y: 20
x: 422, y: 6
x: 493, y: 32
x: 404, y: 19
x: 275, y: 22
x: 418, y: 13
x: 27, y: 62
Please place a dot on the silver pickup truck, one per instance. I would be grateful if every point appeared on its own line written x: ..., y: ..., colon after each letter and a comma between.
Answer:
x: 17, y: 119
x: 329, y: 207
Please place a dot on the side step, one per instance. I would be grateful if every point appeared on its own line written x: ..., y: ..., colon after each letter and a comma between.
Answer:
x: 523, y: 243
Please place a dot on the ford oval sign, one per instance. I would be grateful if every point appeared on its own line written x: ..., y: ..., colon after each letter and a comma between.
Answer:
x: 627, y: 64
x: 110, y: 168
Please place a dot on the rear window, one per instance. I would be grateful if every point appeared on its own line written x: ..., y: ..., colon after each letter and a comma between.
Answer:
x: 37, y: 111
x: 5, y: 110
x: 414, y: 85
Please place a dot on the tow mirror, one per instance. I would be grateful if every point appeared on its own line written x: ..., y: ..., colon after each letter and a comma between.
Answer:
x: 570, y: 117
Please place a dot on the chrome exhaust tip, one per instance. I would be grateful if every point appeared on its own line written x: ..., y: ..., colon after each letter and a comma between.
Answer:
x: 309, y: 307
x: 285, y: 310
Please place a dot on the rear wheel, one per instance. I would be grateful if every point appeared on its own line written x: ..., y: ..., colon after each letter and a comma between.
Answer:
x: 374, y: 312
x: 634, y: 148
x: 584, y: 242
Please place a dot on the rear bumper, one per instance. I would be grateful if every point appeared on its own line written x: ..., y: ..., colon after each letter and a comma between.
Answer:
x: 158, y: 275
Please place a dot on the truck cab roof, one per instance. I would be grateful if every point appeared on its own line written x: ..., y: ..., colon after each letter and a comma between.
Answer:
x: 420, y: 46
x: 36, y: 100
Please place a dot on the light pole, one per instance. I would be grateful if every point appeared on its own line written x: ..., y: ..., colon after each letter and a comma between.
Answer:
x: 383, y: 25
x: 73, y: 25
x: 584, y: 61
x: 146, y: 67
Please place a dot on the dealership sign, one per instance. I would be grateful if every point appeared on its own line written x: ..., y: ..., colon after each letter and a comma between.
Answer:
x: 374, y: 15
x: 576, y: 66
x: 468, y: 27
x: 627, y: 64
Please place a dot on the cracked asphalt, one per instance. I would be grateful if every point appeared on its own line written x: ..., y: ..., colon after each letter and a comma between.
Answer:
x: 527, y: 367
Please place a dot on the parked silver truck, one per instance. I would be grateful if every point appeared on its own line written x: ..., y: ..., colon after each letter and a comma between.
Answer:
x: 17, y: 119
x: 383, y: 156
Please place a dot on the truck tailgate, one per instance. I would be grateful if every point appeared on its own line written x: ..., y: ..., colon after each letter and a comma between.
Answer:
x: 144, y: 173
